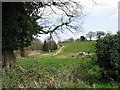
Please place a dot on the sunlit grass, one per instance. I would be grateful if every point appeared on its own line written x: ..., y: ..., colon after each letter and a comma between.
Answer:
x: 75, y: 47
x: 50, y: 61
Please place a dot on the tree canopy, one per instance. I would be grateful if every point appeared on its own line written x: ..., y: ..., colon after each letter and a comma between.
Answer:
x: 18, y: 25
x: 100, y: 34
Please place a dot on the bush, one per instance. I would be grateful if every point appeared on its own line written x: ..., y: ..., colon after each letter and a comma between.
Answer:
x: 38, y: 77
x: 54, y: 77
x: 87, y: 71
x: 36, y: 44
x: 108, y: 56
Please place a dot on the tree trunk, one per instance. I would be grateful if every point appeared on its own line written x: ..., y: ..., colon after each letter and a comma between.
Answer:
x: 90, y: 38
x: 9, y: 59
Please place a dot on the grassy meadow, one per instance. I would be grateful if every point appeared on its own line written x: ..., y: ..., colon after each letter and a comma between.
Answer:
x: 58, y: 71
x: 76, y: 47
x: 50, y: 62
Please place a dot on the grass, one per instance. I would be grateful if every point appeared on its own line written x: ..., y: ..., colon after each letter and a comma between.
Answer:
x: 46, y: 71
x: 48, y: 62
x: 52, y: 72
x: 76, y: 47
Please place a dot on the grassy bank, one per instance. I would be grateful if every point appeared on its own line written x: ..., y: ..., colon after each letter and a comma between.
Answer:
x: 80, y: 46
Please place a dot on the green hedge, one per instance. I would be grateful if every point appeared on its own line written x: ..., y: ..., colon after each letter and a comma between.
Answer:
x: 108, y: 56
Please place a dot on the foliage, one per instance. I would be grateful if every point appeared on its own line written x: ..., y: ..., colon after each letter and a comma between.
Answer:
x: 52, y: 72
x: 100, y: 34
x: 19, y: 24
x: 82, y: 38
x: 38, y: 76
x: 108, y: 56
x: 87, y: 71
x: 71, y: 39
x: 36, y: 44
x: 77, y: 40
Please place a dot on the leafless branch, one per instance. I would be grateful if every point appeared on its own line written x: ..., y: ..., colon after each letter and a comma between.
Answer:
x: 62, y: 15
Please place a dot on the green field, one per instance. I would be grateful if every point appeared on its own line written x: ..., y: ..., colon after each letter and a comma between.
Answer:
x: 80, y: 46
x: 48, y: 62
x: 59, y: 71
x: 53, y: 61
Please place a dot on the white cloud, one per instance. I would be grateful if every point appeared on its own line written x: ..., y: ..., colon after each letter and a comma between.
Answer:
x: 103, y: 7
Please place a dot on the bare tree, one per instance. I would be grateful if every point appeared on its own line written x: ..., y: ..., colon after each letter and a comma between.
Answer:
x: 99, y: 34
x: 90, y: 35
x: 109, y: 33
x: 57, y: 16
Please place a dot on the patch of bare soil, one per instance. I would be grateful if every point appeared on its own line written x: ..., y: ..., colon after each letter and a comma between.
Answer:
x: 32, y: 53
x: 61, y: 56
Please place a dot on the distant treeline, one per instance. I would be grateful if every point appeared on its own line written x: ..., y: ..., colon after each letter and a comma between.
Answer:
x: 89, y: 37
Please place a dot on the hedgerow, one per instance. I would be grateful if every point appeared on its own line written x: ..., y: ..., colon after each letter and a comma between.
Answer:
x: 108, y: 56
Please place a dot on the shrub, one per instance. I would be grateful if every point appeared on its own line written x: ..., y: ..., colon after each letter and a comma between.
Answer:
x: 36, y: 44
x: 82, y: 38
x: 53, y: 77
x: 87, y: 71
x: 108, y: 56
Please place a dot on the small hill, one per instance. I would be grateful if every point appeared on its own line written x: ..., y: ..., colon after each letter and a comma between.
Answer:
x: 74, y: 47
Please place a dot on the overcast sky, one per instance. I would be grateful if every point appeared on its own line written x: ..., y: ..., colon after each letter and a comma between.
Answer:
x: 103, y: 17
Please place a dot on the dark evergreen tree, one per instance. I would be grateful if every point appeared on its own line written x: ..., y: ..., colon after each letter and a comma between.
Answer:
x: 45, y: 48
x: 82, y: 38
x: 18, y: 27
